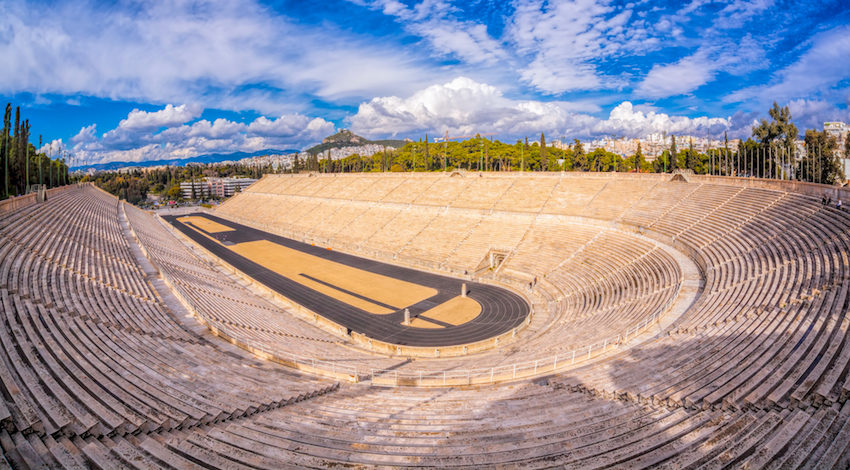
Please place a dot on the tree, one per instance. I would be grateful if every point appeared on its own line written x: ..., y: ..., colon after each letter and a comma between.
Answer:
x: 427, y: 156
x: 691, y: 159
x: 6, y: 128
x: 847, y: 145
x: 544, y: 159
x: 174, y: 192
x: 780, y: 127
x: 638, y: 158
x: 579, y: 157
x: 822, y: 164
x: 674, y: 153
x: 780, y: 130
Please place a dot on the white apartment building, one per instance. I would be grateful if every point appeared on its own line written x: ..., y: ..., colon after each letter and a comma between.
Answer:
x: 221, y: 187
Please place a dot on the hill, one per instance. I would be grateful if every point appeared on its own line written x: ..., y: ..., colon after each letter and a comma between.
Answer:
x: 206, y: 158
x: 346, y: 138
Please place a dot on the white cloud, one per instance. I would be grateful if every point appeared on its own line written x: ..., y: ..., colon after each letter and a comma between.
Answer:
x: 225, y: 54
x: 691, y: 72
x: 140, y: 140
x: 53, y: 148
x: 738, y: 12
x: 626, y: 120
x: 818, y: 69
x: 678, y: 78
x: 140, y: 121
x: 566, y: 40
x: 86, y: 134
x: 290, y: 126
x: 464, y: 106
x: 811, y: 114
x: 434, y: 20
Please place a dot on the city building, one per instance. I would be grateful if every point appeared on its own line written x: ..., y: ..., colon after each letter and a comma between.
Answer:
x: 221, y: 187
x: 839, y: 130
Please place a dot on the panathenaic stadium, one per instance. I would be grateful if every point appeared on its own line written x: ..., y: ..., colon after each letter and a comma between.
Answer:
x: 506, y: 320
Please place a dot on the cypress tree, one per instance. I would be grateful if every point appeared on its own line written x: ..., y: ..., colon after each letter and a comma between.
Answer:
x: 691, y: 162
x: 427, y: 156
x: 15, y: 157
x: 638, y: 159
x: 6, y: 128
x: 674, y: 153
x: 544, y: 159
x: 25, y: 141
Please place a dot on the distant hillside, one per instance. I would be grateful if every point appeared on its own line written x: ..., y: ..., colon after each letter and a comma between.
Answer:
x: 208, y: 158
x: 346, y: 138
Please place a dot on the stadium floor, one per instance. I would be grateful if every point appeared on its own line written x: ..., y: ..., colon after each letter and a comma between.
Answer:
x: 364, y: 295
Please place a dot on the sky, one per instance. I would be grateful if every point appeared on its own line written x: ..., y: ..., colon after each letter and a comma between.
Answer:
x: 147, y: 80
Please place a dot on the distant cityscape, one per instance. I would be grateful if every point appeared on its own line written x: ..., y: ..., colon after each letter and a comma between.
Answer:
x: 652, y: 146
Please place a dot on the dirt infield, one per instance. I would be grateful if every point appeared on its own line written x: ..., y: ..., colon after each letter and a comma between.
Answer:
x: 456, y: 311
x: 206, y: 225
x: 365, y: 295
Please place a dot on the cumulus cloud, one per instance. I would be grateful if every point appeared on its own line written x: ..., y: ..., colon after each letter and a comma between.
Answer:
x: 138, y: 138
x: 86, y: 134
x: 628, y: 121
x: 464, y: 106
x: 140, y: 121
x: 290, y: 126
x: 237, y: 55
x: 218, y: 129
x: 811, y: 114
x: 53, y: 148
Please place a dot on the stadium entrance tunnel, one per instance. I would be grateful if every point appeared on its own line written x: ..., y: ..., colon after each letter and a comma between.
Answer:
x: 369, y: 299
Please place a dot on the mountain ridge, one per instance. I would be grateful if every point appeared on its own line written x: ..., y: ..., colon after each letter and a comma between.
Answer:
x: 206, y: 158
x: 346, y: 138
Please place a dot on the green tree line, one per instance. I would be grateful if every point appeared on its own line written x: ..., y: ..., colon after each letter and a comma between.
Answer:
x: 22, y: 164
x: 134, y: 186
x: 771, y: 152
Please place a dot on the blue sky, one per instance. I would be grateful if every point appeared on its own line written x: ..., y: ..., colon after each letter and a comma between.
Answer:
x: 151, y: 79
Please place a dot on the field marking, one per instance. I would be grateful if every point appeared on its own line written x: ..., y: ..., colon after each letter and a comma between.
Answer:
x: 206, y: 225
x: 423, y: 323
x: 456, y: 311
